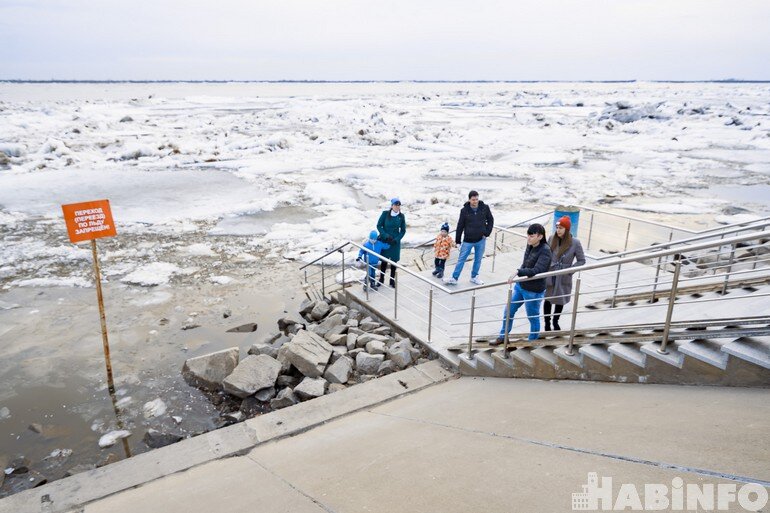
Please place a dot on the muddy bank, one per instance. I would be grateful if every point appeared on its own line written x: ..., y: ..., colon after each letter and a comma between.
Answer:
x: 54, y: 403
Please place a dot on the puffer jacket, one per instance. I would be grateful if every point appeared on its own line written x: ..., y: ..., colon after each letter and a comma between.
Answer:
x: 475, y: 226
x: 537, y: 260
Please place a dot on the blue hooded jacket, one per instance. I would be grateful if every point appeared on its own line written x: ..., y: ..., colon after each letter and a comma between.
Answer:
x: 377, y: 247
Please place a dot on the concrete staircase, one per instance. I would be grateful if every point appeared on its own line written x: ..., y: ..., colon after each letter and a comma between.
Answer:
x: 731, y: 351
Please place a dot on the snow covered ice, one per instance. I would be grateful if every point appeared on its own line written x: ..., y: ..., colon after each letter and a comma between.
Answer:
x: 206, y: 172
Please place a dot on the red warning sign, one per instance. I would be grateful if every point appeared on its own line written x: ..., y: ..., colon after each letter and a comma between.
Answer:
x: 89, y: 220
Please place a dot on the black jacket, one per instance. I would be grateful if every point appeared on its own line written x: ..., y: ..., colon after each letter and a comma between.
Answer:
x: 536, y: 260
x: 475, y: 226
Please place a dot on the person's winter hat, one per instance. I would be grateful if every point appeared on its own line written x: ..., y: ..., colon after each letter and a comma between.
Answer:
x: 564, y: 222
x: 395, y: 201
x: 373, y: 234
x: 445, y: 227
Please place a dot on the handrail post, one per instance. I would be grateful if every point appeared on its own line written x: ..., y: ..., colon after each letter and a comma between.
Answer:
x: 729, y: 270
x: 367, y: 285
x: 590, y: 231
x: 617, y: 283
x: 671, y: 299
x: 494, y: 251
x: 430, y: 312
x: 470, y: 330
x: 655, y: 285
x: 628, y: 232
x: 570, y: 350
x: 323, y: 280
x: 395, y: 296
x: 507, y: 321
x: 343, y: 270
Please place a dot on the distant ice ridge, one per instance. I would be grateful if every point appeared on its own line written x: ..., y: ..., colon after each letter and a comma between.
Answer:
x: 289, y: 176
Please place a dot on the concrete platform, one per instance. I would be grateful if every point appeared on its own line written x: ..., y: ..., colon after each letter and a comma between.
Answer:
x: 483, y: 444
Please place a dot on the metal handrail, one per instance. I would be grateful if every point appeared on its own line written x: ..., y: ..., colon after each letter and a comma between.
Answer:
x: 700, y: 236
x: 609, y: 263
x: 549, y: 212
x: 742, y: 223
x: 629, y: 218
x: 399, y: 266
x: 325, y: 255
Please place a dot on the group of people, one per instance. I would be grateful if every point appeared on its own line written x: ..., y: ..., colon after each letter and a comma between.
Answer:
x: 474, y: 225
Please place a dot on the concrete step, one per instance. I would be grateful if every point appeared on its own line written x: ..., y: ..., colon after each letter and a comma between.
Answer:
x: 449, y: 358
x: 674, y: 357
x: 597, y: 352
x: 630, y: 352
x: 546, y: 355
x: 755, y: 350
x: 468, y: 366
x: 707, y: 351
x: 485, y: 362
x: 575, y: 359
x: 524, y: 355
x: 506, y: 363
x: 481, y: 364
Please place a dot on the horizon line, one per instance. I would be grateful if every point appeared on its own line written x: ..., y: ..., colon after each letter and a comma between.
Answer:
x: 366, y: 81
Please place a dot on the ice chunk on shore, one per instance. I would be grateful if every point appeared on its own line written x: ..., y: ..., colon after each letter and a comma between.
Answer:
x: 110, y: 438
x: 156, y: 273
x: 154, y: 408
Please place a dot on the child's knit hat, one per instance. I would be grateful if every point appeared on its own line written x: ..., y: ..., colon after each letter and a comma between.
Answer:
x: 445, y: 227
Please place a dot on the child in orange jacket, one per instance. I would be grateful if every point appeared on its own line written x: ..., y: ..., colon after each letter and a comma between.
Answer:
x: 443, y: 245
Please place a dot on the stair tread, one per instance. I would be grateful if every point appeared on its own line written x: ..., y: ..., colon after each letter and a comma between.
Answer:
x: 630, y: 352
x: 524, y: 355
x: 509, y: 362
x: 546, y: 355
x: 575, y: 359
x: 751, y: 349
x: 597, y: 352
x: 707, y: 351
x: 674, y: 357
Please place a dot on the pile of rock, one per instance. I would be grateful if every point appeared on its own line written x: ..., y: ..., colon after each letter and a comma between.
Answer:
x: 330, y: 348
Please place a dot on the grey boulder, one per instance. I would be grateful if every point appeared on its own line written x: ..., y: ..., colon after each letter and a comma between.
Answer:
x: 310, y: 388
x: 320, y: 310
x: 210, y: 370
x: 254, y: 373
x: 308, y: 352
x: 339, y: 371
x: 284, y: 398
x: 368, y: 363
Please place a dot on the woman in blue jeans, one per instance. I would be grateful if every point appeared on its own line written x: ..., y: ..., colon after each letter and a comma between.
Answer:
x: 537, y: 259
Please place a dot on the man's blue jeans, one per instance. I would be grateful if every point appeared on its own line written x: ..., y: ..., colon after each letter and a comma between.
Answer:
x: 465, y: 251
x: 531, y: 307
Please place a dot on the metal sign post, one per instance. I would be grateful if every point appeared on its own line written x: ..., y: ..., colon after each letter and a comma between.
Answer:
x: 92, y: 220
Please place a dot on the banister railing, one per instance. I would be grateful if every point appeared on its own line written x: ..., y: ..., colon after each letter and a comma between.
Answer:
x: 430, y: 296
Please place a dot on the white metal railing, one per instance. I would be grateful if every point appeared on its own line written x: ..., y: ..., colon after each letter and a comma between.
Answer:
x: 712, y: 253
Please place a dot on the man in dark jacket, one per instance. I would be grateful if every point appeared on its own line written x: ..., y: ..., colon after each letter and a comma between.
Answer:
x: 530, y: 293
x: 473, y: 227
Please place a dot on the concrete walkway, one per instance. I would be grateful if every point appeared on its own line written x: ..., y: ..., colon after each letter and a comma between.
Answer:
x: 476, y: 444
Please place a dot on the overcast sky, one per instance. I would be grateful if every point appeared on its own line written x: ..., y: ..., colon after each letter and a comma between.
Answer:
x: 385, y: 39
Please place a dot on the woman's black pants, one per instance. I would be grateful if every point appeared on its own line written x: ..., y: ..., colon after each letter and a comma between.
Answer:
x: 383, y: 268
x: 557, y: 309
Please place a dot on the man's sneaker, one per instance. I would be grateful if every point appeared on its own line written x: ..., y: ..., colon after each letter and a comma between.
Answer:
x: 450, y: 281
x: 477, y: 281
x: 497, y: 341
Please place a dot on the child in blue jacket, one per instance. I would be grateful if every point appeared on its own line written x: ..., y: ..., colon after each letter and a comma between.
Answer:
x: 372, y: 259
